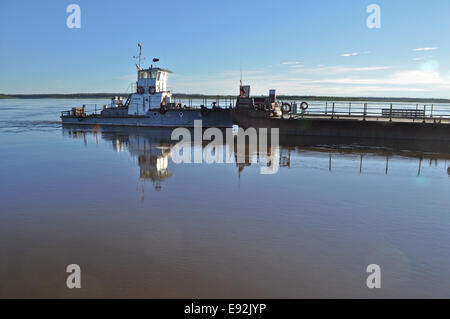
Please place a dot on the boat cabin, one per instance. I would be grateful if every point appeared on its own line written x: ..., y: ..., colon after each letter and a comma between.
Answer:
x: 151, y: 91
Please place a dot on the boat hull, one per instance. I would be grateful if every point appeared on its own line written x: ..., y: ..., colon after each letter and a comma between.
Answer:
x: 171, y: 118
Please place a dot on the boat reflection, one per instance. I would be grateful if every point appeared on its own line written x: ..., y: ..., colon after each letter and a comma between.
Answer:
x: 153, y: 149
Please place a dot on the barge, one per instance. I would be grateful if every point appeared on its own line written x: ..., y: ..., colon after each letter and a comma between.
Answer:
x: 370, y: 122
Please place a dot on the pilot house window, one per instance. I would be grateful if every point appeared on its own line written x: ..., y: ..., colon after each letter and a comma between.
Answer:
x: 145, y: 75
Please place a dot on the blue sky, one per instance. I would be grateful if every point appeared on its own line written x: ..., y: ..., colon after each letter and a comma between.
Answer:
x: 321, y: 47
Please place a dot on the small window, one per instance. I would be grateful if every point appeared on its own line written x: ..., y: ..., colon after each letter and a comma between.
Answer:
x: 143, y: 75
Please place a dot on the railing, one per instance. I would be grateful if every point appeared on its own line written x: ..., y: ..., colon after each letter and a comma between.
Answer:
x: 132, y: 87
x: 88, y: 109
x: 219, y: 101
x: 332, y: 110
x: 377, y: 110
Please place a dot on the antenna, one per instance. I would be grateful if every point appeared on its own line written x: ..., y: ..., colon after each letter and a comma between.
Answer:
x: 139, y: 58
x: 240, y: 67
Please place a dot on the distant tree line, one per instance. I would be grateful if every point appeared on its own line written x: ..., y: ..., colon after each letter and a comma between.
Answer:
x: 221, y: 97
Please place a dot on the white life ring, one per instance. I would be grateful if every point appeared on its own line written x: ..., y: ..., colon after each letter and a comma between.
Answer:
x: 285, y: 108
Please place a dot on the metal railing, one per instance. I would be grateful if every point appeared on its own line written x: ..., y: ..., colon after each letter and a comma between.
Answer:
x: 377, y: 110
x: 333, y: 110
x: 93, y: 108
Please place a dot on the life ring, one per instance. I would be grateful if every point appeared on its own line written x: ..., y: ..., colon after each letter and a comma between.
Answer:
x: 204, y: 111
x: 285, y: 108
x: 140, y: 90
x: 151, y: 90
x: 80, y: 118
x: 162, y: 109
x: 181, y: 114
x: 304, y: 106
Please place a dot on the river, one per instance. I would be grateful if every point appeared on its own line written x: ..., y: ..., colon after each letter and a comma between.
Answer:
x: 139, y: 225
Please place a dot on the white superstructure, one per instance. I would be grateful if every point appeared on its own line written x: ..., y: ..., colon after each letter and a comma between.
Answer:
x: 151, y: 91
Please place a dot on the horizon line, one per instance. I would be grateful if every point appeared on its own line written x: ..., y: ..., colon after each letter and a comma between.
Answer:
x: 13, y: 95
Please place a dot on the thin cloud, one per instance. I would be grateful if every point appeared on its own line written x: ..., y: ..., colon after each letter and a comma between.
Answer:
x: 325, y: 80
x: 291, y: 63
x: 354, y: 53
x: 340, y: 69
x: 406, y: 77
x: 350, y: 54
x: 425, y: 49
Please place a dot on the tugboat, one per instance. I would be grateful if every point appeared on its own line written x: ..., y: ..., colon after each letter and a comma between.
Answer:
x: 150, y: 105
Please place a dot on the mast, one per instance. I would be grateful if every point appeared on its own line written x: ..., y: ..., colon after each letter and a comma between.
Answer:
x: 140, y: 54
x: 139, y: 58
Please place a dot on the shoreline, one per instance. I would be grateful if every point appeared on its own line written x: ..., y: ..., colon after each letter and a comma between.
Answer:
x: 213, y: 97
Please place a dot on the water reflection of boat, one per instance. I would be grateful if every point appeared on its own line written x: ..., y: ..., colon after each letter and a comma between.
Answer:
x: 152, y: 147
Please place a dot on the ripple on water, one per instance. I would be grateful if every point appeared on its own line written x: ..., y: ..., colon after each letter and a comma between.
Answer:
x: 14, y: 126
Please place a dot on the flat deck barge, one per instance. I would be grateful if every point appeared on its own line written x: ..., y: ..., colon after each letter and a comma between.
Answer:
x: 349, y: 120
